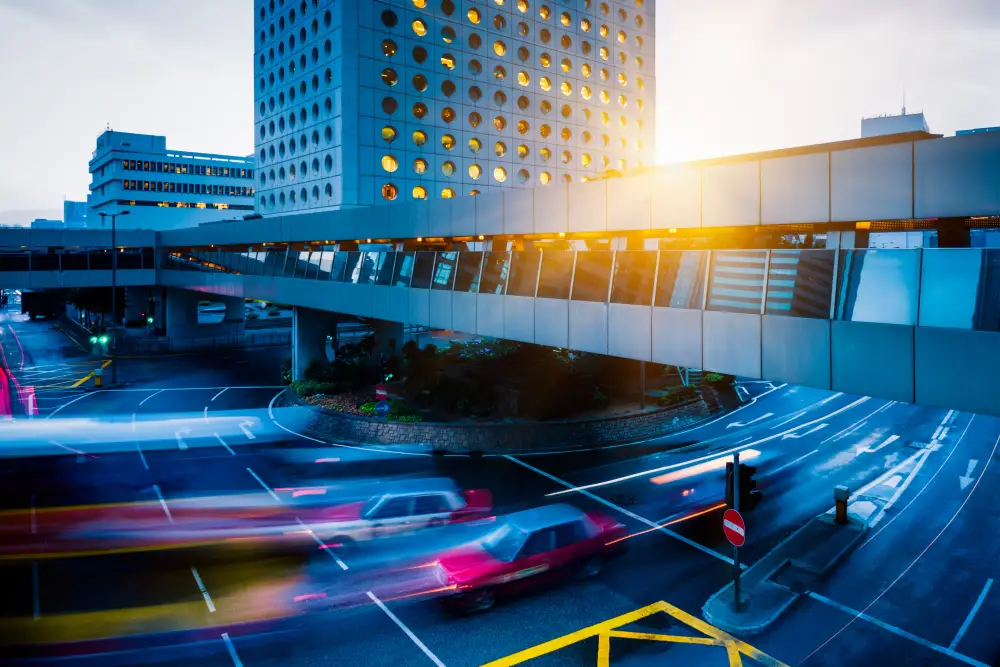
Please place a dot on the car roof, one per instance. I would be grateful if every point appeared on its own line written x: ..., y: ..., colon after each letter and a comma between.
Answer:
x: 544, y: 517
x: 410, y: 486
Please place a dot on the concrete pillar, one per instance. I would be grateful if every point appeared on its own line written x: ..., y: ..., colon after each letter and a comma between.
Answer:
x: 235, y: 319
x: 388, y: 339
x: 310, y: 328
x: 136, y: 300
x: 182, y: 313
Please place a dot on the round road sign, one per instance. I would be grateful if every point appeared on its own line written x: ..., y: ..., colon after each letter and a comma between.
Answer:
x: 734, y: 528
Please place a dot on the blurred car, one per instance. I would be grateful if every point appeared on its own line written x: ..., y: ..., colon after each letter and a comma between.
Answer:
x: 397, y: 508
x: 529, y: 548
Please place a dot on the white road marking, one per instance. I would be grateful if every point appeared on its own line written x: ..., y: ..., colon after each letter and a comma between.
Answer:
x: 965, y: 480
x: 814, y: 429
x: 409, y: 633
x: 205, y: 414
x: 850, y: 428
x: 69, y: 403
x: 972, y: 613
x: 896, y: 631
x: 155, y: 393
x: 752, y: 421
x: 36, y: 605
x: 266, y: 487
x: 181, y: 444
x: 201, y: 587
x: 641, y: 519
x: 864, y: 449
x: 231, y: 649
x: 138, y: 447
x: 163, y: 503
x: 219, y: 394
x: 790, y: 463
x: 245, y: 427
x: 228, y: 448
x: 333, y: 555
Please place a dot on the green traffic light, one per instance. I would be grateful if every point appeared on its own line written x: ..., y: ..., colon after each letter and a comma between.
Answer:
x: 149, y: 320
x: 93, y: 339
x: 104, y: 339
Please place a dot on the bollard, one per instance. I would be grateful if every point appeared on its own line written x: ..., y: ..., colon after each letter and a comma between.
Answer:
x: 98, y: 377
x: 840, y: 495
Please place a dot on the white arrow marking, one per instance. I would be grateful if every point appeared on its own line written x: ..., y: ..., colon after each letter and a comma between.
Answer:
x: 752, y: 421
x: 180, y: 439
x: 245, y: 427
x: 818, y: 427
x: 891, y: 460
x: 888, y: 441
x: 967, y: 479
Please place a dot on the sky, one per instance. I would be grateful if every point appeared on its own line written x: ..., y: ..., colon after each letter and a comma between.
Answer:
x: 733, y: 76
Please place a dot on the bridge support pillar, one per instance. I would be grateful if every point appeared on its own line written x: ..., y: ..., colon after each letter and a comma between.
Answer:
x: 182, y: 315
x: 310, y: 327
x: 136, y: 303
x: 388, y: 339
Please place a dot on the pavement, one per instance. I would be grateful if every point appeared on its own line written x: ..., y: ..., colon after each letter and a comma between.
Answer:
x: 916, y: 590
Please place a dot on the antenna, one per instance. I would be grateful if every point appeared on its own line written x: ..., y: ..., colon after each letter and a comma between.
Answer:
x: 904, y: 100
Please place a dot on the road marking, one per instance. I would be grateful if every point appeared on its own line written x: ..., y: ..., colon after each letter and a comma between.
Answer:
x: 181, y: 444
x: 644, y: 473
x: 89, y: 375
x: 36, y: 605
x: 69, y: 403
x: 626, y: 512
x: 205, y: 414
x: 814, y: 429
x: 228, y: 448
x: 163, y: 503
x: 409, y: 633
x: 266, y: 487
x: 864, y: 449
x: 155, y: 393
x: 850, y: 428
x: 790, y: 464
x: 219, y: 394
x: 322, y: 545
x: 71, y: 449
x: 894, y: 630
x: 201, y: 587
x: 972, y: 613
x: 245, y: 427
x: 605, y: 630
x: 138, y: 447
x: 231, y: 649
x: 965, y: 480
x: 899, y: 491
x: 752, y: 421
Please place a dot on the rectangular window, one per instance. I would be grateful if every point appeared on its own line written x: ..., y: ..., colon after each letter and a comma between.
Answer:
x: 145, y: 165
x: 403, y: 269
x: 879, y: 285
x: 494, y: 276
x: 557, y: 273
x: 383, y: 274
x: 523, y: 273
x: 145, y: 185
x: 632, y: 282
x: 799, y: 283
x: 680, y: 282
x: 444, y: 270
x: 225, y: 172
x: 592, y: 275
x: 736, y: 281
x: 469, y: 266
x: 423, y: 266
x: 184, y: 169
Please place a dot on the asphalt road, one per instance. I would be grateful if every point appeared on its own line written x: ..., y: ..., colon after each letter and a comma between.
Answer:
x: 916, y: 592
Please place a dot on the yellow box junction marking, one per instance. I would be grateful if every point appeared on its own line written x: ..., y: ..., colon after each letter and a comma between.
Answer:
x: 735, y: 648
x: 89, y: 375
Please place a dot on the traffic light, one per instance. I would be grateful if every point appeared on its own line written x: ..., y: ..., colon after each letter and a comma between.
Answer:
x: 750, y: 497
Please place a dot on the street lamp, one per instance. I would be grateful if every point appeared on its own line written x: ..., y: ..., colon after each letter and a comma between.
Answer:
x: 114, y: 289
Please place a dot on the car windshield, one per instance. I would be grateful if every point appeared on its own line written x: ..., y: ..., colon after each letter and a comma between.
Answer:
x: 370, y: 505
x: 504, y: 543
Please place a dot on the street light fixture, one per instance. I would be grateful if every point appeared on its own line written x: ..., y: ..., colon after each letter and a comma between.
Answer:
x: 114, y: 289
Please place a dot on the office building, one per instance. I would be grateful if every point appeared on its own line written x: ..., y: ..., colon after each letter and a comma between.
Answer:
x: 165, y: 189
x: 364, y: 103
x: 893, y: 124
x: 75, y: 214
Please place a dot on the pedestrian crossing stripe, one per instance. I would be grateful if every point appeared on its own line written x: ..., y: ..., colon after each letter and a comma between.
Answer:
x: 713, y: 636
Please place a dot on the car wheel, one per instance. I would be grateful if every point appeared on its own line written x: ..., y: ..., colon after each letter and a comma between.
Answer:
x: 481, y: 600
x: 590, y: 567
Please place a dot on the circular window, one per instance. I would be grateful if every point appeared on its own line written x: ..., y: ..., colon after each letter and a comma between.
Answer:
x: 523, y: 54
x: 544, y: 60
x: 604, y: 96
x: 475, y: 119
x: 585, y: 92
x: 419, y: 192
x: 523, y: 78
x: 566, y: 157
x: 419, y: 137
x: 474, y: 16
x: 638, y: 62
x: 499, y: 47
x: 639, y: 83
x: 389, y: 105
x: 603, y: 52
x: 499, y: 174
x: 475, y: 67
x: 523, y: 29
x: 500, y: 149
x: 523, y: 127
x: 448, y: 88
x: 566, y: 134
x: 565, y: 19
x: 419, y: 27
x: 586, y: 137
x: 545, y: 153
x: 545, y: 36
x: 447, y: 142
x: 499, y: 73
x: 448, y: 114
x: 622, y: 101
x: 475, y: 41
x: 585, y: 160
x: 522, y: 6
x: 500, y: 98
x: 420, y: 82
x: 475, y: 171
x: 545, y: 131
x: 523, y: 176
x: 565, y: 64
x: 419, y: 110
x: 419, y: 54
x: 604, y: 74
x: 500, y: 123
x: 448, y: 168
x: 545, y: 106
x: 448, y: 61
x: 389, y: 18
x: 566, y: 88
x: 585, y: 25
x: 544, y: 12
x: 566, y: 42
x: 420, y: 165
x: 389, y: 77
x: 448, y: 7
x: 566, y: 111
x: 545, y: 178
x: 388, y: 48
x: 638, y: 42
x: 419, y: 4
x: 523, y: 102
x: 622, y: 57
x: 448, y: 34
x: 522, y: 151
x: 447, y: 193
x: 545, y: 84
x: 475, y: 145
x: 475, y: 93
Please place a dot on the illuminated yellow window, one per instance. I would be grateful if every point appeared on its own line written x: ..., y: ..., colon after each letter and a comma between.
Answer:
x: 545, y: 106
x: 523, y: 127
x: 499, y: 73
x: 621, y: 36
x: 474, y: 16
x: 419, y: 192
x: 448, y: 114
x: 419, y: 110
x: 448, y: 34
x: 585, y: 70
x: 605, y: 119
x: 500, y: 123
x: 566, y: 111
x: 624, y: 143
x: 638, y: 62
x: 522, y: 151
x: 621, y: 164
x: 544, y: 12
x: 544, y: 83
x: 389, y: 191
x: 604, y: 74
x: 419, y: 4
x: 604, y: 8
x: 623, y: 121
x: 545, y: 178
x: 586, y: 113
x: 545, y: 60
x: 419, y: 166
x: 638, y: 123
x: 622, y: 79
x: 499, y: 174
x: 475, y: 171
x: 603, y: 31
x: 585, y: 47
x: 419, y: 137
x: 388, y: 48
x: 545, y: 131
x: 585, y: 25
x: 500, y: 149
x: 390, y: 163
x: 473, y: 192
x: 523, y: 78
x: 606, y: 140
x: 639, y: 83
x: 448, y: 61
x: 638, y: 104
x: 603, y: 52
x: 499, y: 22
x: 586, y: 137
x: 566, y: 42
x: 419, y: 27
x: 523, y: 103
x: 522, y: 6
x: 447, y: 193
x: 448, y: 168
x: 566, y: 157
x: 566, y: 88
x: 475, y: 119
x: 389, y: 76
x: 447, y: 142
x: 499, y: 47
x: 604, y: 162
x: 622, y: 16
x: 475, y: 145
x: 638, y: 42
x: 585, y: 92
x: 605, y: 98
x: 545, y: 154
x: 585, y: 159
x: 566, y: 134
x: 622, y: 101
x: 565, y: 19
x: 565, y: 64
x: 388, y: 134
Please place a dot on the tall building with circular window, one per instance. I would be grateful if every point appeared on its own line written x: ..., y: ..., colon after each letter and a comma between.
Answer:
x: 388, y: 100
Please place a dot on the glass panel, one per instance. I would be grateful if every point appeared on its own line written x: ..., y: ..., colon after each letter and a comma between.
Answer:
x: 291, y: 259
x: 301, y: 262
x: 259, y: 266
x: 366, y: 273
x: 444, y: 270
x: 523, y: 272
x: 126, y: 260
x: 274, y: 261
x: 876, y: 285
x: 100, y: 260
x: 469, y: 265
x: 71, y: 261
x: 592, y: 275
x: 339, y: 266
x: 680, y: 282
x: 422, y: 268
x: 14, y: 261
x: 325, y: 265
x: 148, y: 259
x: 312, y: 271
x: 353, y: 271
x: 960, y: 289
x: 736, y: 282
x: 557, y: 274
x: 632, y: 282
x: 799, y: 283
x: 494, y: 276
x: 403, y: 269
x: 384, y: 275
x: 44, y: 262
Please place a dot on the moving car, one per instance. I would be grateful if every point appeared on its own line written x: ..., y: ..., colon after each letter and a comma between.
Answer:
x: 527, y: 549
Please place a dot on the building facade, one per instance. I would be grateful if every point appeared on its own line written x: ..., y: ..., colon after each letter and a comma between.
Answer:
x: 75, y: 214
x: 893, y: 124
x: 360, y: 103
x: 165, y: 189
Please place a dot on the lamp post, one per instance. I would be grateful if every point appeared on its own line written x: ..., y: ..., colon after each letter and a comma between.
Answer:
x: 114, y: 290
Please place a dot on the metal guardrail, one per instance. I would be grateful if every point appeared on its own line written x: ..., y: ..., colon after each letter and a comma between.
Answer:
x: 164, y: 345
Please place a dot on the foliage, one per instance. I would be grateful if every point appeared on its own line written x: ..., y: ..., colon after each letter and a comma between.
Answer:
x: 717, y: 379
x: 676, y: 395
x: 286, y: 371
x: 306, y: 388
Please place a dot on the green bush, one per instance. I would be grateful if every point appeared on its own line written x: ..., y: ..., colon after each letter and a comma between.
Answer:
x: 676, y: 395
x: 286, y: 371
x: 717, y: 379
x: 407, y: 419
x: 306, y: 388
x: 368, y: 408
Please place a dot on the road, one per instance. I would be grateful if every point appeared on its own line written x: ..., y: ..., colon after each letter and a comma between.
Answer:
x: 915, y: 592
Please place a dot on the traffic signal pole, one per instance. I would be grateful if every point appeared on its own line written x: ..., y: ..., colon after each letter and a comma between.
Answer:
x: 736, y: 550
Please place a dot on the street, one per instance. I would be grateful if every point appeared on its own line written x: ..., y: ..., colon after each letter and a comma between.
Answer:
x: 917, y: 590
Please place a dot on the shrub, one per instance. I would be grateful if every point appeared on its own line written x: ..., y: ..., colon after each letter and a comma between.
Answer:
x: 676, y: 395
x: 368, y: 408
x: 407, y: 419
x: 715, y: 379
x: 286, y: 371
x: 306, y: 388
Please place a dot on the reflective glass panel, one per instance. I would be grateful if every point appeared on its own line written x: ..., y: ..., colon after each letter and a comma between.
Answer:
x: 799, y: 283
x: 148, y: 258
x: 523, y: 272
x: 325, y: 265
x: 301, y: 264
x: 444, y: 270
x: 495, y: 268
x: 384, y: 274
x: 41, y: 261
x: 736, y: 282
x: 557, y: 274
x: 469, y: 265
x: 126, y: 260
x: 312, y: 270
x: 633, y: 278
x: 352, y: 272
x: 339, y: 266
x: 291, y: 259
x: 423, y: 265
x: 875, y: 285
x: 592, y: 275
x: 960, y: 288
x: 403, y: 269
x: 680, y: 282
x: 369, y: 263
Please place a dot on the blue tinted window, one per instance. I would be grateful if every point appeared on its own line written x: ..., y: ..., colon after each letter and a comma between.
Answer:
x: 444, y: 270
x: 875, y: 285
x: 469, y: 266
x: 422, y: 267
x: 384, y: 269
x: 960, y: 289
x: 495, y: 268
x: 800, y: 283
x: 403, y: 269
x: 339, y: 266
x: 680, y: 281
x: 736, y: 282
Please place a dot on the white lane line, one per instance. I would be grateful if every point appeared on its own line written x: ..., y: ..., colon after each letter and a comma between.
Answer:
x: 36, y: 605
x: 69, y: 403
x: 228, y: 448
x: 181, y: 443
x: 847, y: 430
x: 231, y: 649
x: 896, y: 631
x: 201, y: 587
x: 968, y: 619
x: 163, y: 503
x: 573, y: 489
x: 334, y: 556
x: 219, y: 394
x: 138, y: 447
x: 155, y: 393
x: 790, y: 464
x: 409, y: 633
x: 640, y: 519
x: 205, y: 414
x: 874, y: 521
x: 262, y: 483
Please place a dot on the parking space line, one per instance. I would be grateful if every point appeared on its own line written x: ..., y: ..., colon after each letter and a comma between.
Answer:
x: 972, y: 613
x: 322, y: 545
x: 163, y: 502
x: 219, y: 394
x: 228, y: 448
x: 231, y: 649
x: 266, y: 487
x: 409, y: 633
x: 201, y: 587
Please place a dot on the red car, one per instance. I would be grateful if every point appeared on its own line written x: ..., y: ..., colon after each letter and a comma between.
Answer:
x: 527, y: 549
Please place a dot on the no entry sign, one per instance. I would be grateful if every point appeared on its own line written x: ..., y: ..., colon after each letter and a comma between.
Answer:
x: 381, y: 393
x: 734, y: 528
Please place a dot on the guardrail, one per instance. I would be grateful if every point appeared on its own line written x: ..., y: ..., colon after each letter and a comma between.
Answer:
x: 235, y: 341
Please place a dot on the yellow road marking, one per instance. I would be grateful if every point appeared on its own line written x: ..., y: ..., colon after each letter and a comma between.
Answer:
x: 75, y: 341
x: 735, y: 648
x: 89, y: 375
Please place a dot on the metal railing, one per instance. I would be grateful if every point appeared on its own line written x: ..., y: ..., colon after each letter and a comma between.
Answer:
x: 163, y: 345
